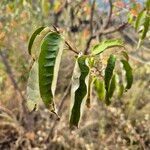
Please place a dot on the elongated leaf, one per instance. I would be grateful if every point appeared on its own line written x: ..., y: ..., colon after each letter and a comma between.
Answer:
x: 33, y: 94
x: 109, y: 70
x: 49, y: 61
x: 99, y: 48
x: 140, y: 20
x: 35, y: 49
x: 79, y: 90
x: 112, y: 86
x: 129, y: 76
x: 90, y: 87
x: 120, y: 90
x: 146, y: 27
x: 32, y: 38
x: 108, y: 75
x: 100, y: 88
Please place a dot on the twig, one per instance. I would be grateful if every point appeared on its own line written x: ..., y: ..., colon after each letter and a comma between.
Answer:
x: 15, y: 85
x: 91, y: 28
x: 103, y: 32
x: 66, y: 42
x: 91, y: 16
x: 59, y: 111
x: 110, y: 14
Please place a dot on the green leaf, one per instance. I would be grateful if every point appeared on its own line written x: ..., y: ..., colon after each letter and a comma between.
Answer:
x: 129, y: 76
x: 120, y: 90
x: 79, y: 89
x: 146, y: 27
x: 35, y: 49
x: 112, y: 86
x: 49, y: 61
x: 33, y: 94
x: 32, y: 38
x: 108, y: 75
x: 90, y: 87
x: 140, y: 20
x: 99, y: 48
x: 109, y: 70
x: 100, y: 88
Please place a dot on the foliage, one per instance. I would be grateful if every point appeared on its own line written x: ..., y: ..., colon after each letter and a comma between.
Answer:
x: 48, y: 57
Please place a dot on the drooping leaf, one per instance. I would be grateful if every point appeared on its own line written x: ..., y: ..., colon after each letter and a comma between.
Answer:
x: 35, y: 49
x: 146, y: 26
x: 33, y: 94
x: 140, y: 20
x: 120, y: 90
x: 90, y: 87
x: 112, y: 86
x: 99, y: 48
x: 129, y: 75
x: 108, y: 75
x: 109, y: 70
x: 32, y: 38
x: 79, y: 90
x: 100, y: 88
x: 49, y: 61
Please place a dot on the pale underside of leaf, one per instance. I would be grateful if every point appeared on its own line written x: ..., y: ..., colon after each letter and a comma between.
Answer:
x: 32, y: 38
x: 33, y: 94
x: 35, y: 50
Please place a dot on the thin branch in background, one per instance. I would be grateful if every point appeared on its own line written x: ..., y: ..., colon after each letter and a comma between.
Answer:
x: 91, y: 17
x: 119, y: 28
x: 109, y: 15
x: 15, y: 85
x: 66, y: 93
x: 91, y: 28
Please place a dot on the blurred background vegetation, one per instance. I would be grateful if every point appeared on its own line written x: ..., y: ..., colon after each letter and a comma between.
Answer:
x: 125, y: 125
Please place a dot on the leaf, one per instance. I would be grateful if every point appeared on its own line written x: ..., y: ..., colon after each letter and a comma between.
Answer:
x: 99, y: 48
x: 112, y: 86
x: 120, y: 90
x: 32, y: 38
x: 49, y: 61
x: 79, y: 89
x: 129, y: 76
x: 108, y: 75
x: 100, y: 88
x: 90, y: 87
x: 146, y: 27
x: 109, y: 70
x: 33, y: 94
x: 140, y: 20
x: 35, y: 49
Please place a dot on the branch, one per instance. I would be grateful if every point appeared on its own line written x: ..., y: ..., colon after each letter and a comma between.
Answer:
x: 14, y: 83
x: 66, y: 42
x: 103, y: 32
x: 91, y: 28
x: 110, y: 14
x: 91, y: 16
